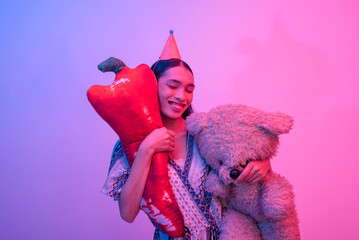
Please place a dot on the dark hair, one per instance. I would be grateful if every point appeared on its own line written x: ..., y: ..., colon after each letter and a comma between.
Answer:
x: 161, y: 66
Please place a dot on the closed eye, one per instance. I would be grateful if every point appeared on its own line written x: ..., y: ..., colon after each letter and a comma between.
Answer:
x: 189, y: 89
x: 172, y: 86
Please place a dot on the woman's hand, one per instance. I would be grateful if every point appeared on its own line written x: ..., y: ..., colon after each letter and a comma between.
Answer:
x: 159, y: 140
x: 255, y: 171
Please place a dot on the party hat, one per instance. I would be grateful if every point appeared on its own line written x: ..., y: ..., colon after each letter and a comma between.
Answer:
x: 170, y: 50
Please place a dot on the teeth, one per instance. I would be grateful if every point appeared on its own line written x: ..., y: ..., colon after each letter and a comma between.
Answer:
x: 176, y: 105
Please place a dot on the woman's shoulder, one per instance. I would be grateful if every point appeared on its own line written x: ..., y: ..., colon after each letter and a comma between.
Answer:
x: 118, y: 172
x: 118, y: 156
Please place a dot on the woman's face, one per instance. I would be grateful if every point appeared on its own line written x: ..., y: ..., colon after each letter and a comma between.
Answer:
x: 175, y: 91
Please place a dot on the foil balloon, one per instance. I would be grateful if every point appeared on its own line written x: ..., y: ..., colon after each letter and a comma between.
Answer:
x: 130, y: 106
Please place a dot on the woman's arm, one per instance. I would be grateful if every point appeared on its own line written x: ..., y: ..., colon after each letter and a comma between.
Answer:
x: 160, y: 140
x: 255, y: 171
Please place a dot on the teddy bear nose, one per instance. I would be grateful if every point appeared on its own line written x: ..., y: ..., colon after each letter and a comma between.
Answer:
x: 234, y: 174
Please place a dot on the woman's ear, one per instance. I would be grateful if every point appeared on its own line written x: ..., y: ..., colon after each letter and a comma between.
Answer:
x: 196, y: 122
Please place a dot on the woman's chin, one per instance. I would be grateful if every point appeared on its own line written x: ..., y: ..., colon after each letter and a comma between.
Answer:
x: 172, y: 115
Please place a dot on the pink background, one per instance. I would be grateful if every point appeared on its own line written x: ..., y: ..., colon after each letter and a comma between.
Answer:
x: 298, y: 57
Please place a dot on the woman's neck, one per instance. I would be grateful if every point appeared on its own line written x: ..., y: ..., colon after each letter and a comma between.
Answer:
x: 176, y: 125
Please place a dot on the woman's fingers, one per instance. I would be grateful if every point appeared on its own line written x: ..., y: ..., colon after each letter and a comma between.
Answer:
x: 171, y: 133
x: 257, y: 170
x: 167, y: 141
x: 245, y: 173
x: 256, y: 176
x: 161, y: 140
x: 254, y: 173
x: 171, y: 145
x: 256, y: 179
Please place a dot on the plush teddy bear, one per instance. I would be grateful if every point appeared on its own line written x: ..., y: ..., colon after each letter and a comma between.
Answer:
x: 229, y: 137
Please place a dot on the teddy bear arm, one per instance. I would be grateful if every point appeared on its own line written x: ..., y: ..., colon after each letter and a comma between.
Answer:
x: 285, y: 229
x: 278, y: 198
x: 238, y: 226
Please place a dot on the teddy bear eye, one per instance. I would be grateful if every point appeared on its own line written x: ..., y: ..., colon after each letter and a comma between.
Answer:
x: 245, y: 164
x: 220, y: 162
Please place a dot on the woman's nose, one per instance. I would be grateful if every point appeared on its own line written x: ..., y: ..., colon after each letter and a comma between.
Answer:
x: 180, y: 95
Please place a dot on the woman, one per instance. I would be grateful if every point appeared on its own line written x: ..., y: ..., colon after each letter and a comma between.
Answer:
x: 187, y: 169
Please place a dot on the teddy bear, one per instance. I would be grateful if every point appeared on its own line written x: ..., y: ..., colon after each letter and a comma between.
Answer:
x: 228, y: 137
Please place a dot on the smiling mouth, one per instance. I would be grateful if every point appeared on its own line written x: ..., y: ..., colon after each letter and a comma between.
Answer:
x: 176, y: 106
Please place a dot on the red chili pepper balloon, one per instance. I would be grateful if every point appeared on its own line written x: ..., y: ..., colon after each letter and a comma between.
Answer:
x: 130, y: 106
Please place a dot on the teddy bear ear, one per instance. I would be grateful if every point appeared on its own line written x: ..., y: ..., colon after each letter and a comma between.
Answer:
x: 275, y: 123
x: 196, y: 122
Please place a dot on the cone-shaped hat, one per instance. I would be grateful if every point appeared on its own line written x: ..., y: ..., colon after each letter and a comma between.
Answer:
x: 170, y: 50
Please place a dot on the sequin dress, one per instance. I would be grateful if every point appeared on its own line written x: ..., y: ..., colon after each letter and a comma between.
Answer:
x: 201, y: 211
